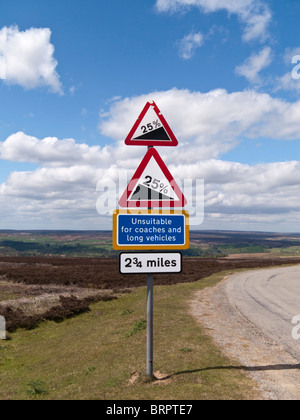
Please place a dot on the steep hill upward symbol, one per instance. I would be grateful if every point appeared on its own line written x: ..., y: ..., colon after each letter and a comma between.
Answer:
x: 151, y: 129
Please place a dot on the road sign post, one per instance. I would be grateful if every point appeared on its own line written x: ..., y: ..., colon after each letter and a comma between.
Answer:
x: 150, y: 299
x: 150, y: 282
x: 140, y: 227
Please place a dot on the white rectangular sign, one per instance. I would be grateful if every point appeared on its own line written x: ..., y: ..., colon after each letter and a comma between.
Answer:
x: 150, y: 262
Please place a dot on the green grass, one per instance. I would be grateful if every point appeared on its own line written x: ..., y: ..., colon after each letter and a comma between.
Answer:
x: 40, y: 245
x: 102, y: 354
x: 288, y: 251
x: 36, y: 387
x: 9, y: 296
x: 242, y: 249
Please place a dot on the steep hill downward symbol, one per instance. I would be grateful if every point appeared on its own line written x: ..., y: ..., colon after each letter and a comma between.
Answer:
x: 152, y: 186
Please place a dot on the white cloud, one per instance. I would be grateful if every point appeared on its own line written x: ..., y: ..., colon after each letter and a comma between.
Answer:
x: 212, y: 122
x: 20, y: 147
x: 256, y: 22
x: 255, y: 64
x: 61, y: 192
x: 254, y: 14
x: 26, y: 58
x: 291, y: 55
x: 209, y: 123
x: 189, y: 44
x: 239, y: 196
x: 287, y: 82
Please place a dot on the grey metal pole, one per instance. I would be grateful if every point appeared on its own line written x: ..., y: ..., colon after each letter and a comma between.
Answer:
x: 150, y: 282
x: 150, y: 325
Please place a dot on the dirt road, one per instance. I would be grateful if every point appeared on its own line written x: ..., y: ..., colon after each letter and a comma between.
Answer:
x: 250, y: 317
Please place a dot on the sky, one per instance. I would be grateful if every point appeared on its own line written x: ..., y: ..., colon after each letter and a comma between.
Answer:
x: 75, y: 75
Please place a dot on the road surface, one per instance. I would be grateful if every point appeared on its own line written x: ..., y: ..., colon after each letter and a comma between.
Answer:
x: 250, y: 316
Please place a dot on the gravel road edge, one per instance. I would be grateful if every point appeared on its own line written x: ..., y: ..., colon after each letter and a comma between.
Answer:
x: 275, y: 371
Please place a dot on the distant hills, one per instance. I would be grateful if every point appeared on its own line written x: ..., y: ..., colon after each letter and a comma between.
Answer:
x: 99, y: 243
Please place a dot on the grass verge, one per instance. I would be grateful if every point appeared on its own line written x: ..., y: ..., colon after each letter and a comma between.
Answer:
x: 102, y: 354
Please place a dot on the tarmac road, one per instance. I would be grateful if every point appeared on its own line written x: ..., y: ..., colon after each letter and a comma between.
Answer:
x: 270, y: 299
x: 249, y: 315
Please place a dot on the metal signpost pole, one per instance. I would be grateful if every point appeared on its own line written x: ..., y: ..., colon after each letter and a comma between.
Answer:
x: 150, y: 318
x: 150, y: 325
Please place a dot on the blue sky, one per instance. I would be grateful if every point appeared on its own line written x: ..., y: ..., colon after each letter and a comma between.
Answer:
x: 74, y: 76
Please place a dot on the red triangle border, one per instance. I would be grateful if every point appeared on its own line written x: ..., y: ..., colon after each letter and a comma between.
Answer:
x: 124, y: 200
x: 130, y: 142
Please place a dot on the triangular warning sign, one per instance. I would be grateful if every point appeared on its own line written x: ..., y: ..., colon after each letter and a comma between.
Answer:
x: 151, y: 129
x: 152, y: 185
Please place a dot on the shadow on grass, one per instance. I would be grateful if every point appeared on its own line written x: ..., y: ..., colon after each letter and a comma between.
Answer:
x: 243, y: 368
